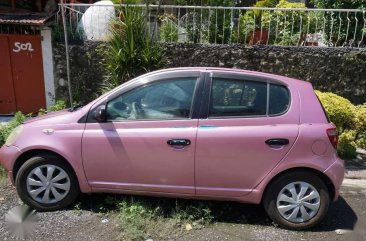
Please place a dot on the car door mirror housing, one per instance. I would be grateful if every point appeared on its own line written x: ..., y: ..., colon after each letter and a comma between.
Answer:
x: 100, y: 113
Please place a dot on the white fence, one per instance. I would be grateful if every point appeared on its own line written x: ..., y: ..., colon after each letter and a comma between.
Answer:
x: 227, y: 25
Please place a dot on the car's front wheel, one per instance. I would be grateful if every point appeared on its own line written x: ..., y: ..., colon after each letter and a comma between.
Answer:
x: 297, y: 200
x: 46, y: 183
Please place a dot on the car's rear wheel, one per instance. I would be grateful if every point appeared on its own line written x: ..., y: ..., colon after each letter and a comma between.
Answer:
x: 297, y: 200
x: 47, y: 183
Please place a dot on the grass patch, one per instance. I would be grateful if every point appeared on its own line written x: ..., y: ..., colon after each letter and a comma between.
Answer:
x: 142, y: 218
x: 3, y: 175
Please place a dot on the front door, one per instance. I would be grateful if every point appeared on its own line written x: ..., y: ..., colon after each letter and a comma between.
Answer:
x: 148, y: 142
x: 232, y: 155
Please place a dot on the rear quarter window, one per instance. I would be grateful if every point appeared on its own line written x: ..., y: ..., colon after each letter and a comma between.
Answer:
x: 279, y: 99
x: 233, y: 97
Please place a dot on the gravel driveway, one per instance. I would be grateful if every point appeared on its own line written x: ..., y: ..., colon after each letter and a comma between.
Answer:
x: 65, y: 225
x: 246, y: 222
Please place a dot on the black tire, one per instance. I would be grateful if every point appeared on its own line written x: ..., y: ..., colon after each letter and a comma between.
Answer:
x: 275, y: 187
x: 37, y: 161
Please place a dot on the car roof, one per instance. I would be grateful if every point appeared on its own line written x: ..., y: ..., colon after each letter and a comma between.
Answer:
x: 232, y: 70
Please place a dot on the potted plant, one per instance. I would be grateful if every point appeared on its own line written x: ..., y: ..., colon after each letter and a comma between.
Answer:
x: 253, y: 25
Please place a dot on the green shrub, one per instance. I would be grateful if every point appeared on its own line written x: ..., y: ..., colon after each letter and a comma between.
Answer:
x: 340, y: 110
x: 347, y: 145
x: 350, y: 122
x: 360, y: 125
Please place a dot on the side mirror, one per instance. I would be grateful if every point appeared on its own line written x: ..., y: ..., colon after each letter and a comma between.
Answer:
x: 100, y: 114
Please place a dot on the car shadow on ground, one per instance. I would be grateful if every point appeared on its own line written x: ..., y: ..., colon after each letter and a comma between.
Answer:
x: 340, y: 214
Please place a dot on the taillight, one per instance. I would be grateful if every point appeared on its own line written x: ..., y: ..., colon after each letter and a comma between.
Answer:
x: 333, y: 136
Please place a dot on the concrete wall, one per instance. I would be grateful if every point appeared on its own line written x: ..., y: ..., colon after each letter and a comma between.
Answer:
x: 339, y: 70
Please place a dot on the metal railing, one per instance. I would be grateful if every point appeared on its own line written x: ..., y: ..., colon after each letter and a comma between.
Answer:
x: 227, y: 25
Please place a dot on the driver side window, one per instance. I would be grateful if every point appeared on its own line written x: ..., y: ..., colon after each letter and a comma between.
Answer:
x: 168, y: 99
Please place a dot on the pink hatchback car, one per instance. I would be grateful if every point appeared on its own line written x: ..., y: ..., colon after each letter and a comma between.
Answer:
x: 207, y: 133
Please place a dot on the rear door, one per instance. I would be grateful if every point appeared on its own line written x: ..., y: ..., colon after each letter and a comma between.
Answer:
x: 248, y: 125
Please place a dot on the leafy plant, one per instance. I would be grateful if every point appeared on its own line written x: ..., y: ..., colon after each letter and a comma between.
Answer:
x: 131, y: 51
x: 168, y: 28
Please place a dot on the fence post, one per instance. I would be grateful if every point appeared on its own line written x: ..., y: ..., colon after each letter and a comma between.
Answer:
x: 67, y: 53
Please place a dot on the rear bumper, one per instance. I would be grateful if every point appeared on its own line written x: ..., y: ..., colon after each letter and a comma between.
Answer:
x: 336, y: 174
x: 8, y: 155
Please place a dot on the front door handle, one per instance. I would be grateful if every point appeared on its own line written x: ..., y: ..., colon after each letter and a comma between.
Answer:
x: 179, y: 142
x: 277, y: 142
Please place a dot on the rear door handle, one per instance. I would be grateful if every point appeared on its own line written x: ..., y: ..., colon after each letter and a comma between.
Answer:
x: 179, y: 142
x: 277, y: 142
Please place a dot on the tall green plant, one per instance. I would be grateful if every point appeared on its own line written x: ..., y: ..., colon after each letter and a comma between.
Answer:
x: 131, y: 50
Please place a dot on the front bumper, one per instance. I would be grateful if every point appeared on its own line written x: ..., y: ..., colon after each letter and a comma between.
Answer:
x: 8, y: 155
x: 336, y: 173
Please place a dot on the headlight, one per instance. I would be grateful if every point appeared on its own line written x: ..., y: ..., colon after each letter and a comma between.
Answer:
x: 14, y: 135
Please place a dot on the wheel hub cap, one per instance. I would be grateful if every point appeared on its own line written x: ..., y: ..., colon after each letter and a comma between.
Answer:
x: 298, y: 202
x: 48, y: 184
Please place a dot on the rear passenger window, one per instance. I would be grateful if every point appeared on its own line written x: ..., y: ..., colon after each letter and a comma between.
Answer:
x: 231, y: 97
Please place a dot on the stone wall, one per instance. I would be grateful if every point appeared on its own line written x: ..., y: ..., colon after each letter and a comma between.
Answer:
x: 339, y: 70
x: 86, y: 71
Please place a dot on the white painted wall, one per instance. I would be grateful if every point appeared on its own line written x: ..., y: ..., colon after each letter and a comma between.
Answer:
x: 47, y: 57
